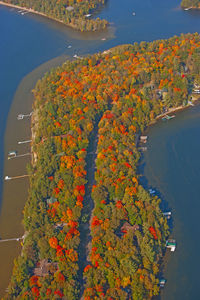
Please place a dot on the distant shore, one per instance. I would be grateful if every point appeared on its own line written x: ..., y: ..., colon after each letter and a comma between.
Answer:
x: 30, y: 10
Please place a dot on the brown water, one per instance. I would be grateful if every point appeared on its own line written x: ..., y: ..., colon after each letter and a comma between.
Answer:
x: 15, y: 191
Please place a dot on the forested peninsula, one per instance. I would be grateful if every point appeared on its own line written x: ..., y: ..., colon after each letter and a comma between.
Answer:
x: 74, y: 13
x: 191, y: 4
x: 110, y: 97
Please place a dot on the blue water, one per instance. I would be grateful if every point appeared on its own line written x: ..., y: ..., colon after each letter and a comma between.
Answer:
x: 172, y: 166
x: 26, y: 41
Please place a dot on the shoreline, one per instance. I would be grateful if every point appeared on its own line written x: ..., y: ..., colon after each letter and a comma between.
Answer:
x: 30, y: 10
x: 171, y: 110
x: 190, y: 8
x: 17, y: 195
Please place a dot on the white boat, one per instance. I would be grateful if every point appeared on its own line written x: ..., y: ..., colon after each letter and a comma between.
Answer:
x: 171, y: 244
x: 7, y: 178
x: 103, y: 39
x: 167, y: 214
x: 133, y: 13
x: 20, y: 117
x: 69, y: 46
x: 151, y: 191
x: 88, y: 15
x: 162, y: 282
x: 12, y: 153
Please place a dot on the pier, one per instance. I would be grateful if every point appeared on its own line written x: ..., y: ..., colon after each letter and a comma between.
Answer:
x: 167, y: 117
x: 20, y: 155
x: 12, y: 239
x: 16, y: 177
x: 167, y: 214
x: 24, y: 142
x: 21, y: 116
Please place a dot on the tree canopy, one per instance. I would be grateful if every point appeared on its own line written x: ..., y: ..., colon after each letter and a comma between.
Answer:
x: 75, y: 13
x: 190, y: 3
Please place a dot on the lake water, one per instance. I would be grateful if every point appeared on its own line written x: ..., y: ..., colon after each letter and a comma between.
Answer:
x: 171, y: 165
x: 27, y: 41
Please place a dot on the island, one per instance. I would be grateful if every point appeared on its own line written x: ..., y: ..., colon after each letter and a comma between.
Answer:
x: 91, y: 230
x: 190, y: 4
x: 74, y: 13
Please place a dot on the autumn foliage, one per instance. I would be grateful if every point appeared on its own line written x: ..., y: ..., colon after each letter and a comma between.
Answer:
x: 123, y: 90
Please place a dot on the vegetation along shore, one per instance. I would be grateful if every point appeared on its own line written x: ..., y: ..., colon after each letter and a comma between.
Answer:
x: 112, y: 97
x: 190, y: 4
x: 74, y: 13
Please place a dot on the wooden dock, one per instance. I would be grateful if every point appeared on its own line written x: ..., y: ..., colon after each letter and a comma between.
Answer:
x: 12, y: 239
x: 20, y: 155
x: 16, y: 177
x: 24, y: 142
x: 21, y: 116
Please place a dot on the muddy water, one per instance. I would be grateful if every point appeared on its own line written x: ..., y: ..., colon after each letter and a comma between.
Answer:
x: 15, y: 191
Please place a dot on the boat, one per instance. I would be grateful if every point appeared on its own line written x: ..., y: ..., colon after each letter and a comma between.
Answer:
x: 20, y: 117
x: 12, y: 153
x: 151, y: 191
x: 103, y: 39
x: 143, y: 139
x: 69, y: 46
x: 7, y: 178
x: 167, y: 117
x: 167, y: 214
x: 133, y: 13
x: 190, y: 103
x: 171, y: 244
x: 88, y: 15
x: 162, y: 282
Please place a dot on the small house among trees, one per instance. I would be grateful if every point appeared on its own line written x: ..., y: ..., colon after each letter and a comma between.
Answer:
x: 126, y: 227
x: 44, y: 268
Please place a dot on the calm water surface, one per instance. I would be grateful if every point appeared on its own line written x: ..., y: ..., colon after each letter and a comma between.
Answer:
x: 28, y: 41
x: 171, y: 165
